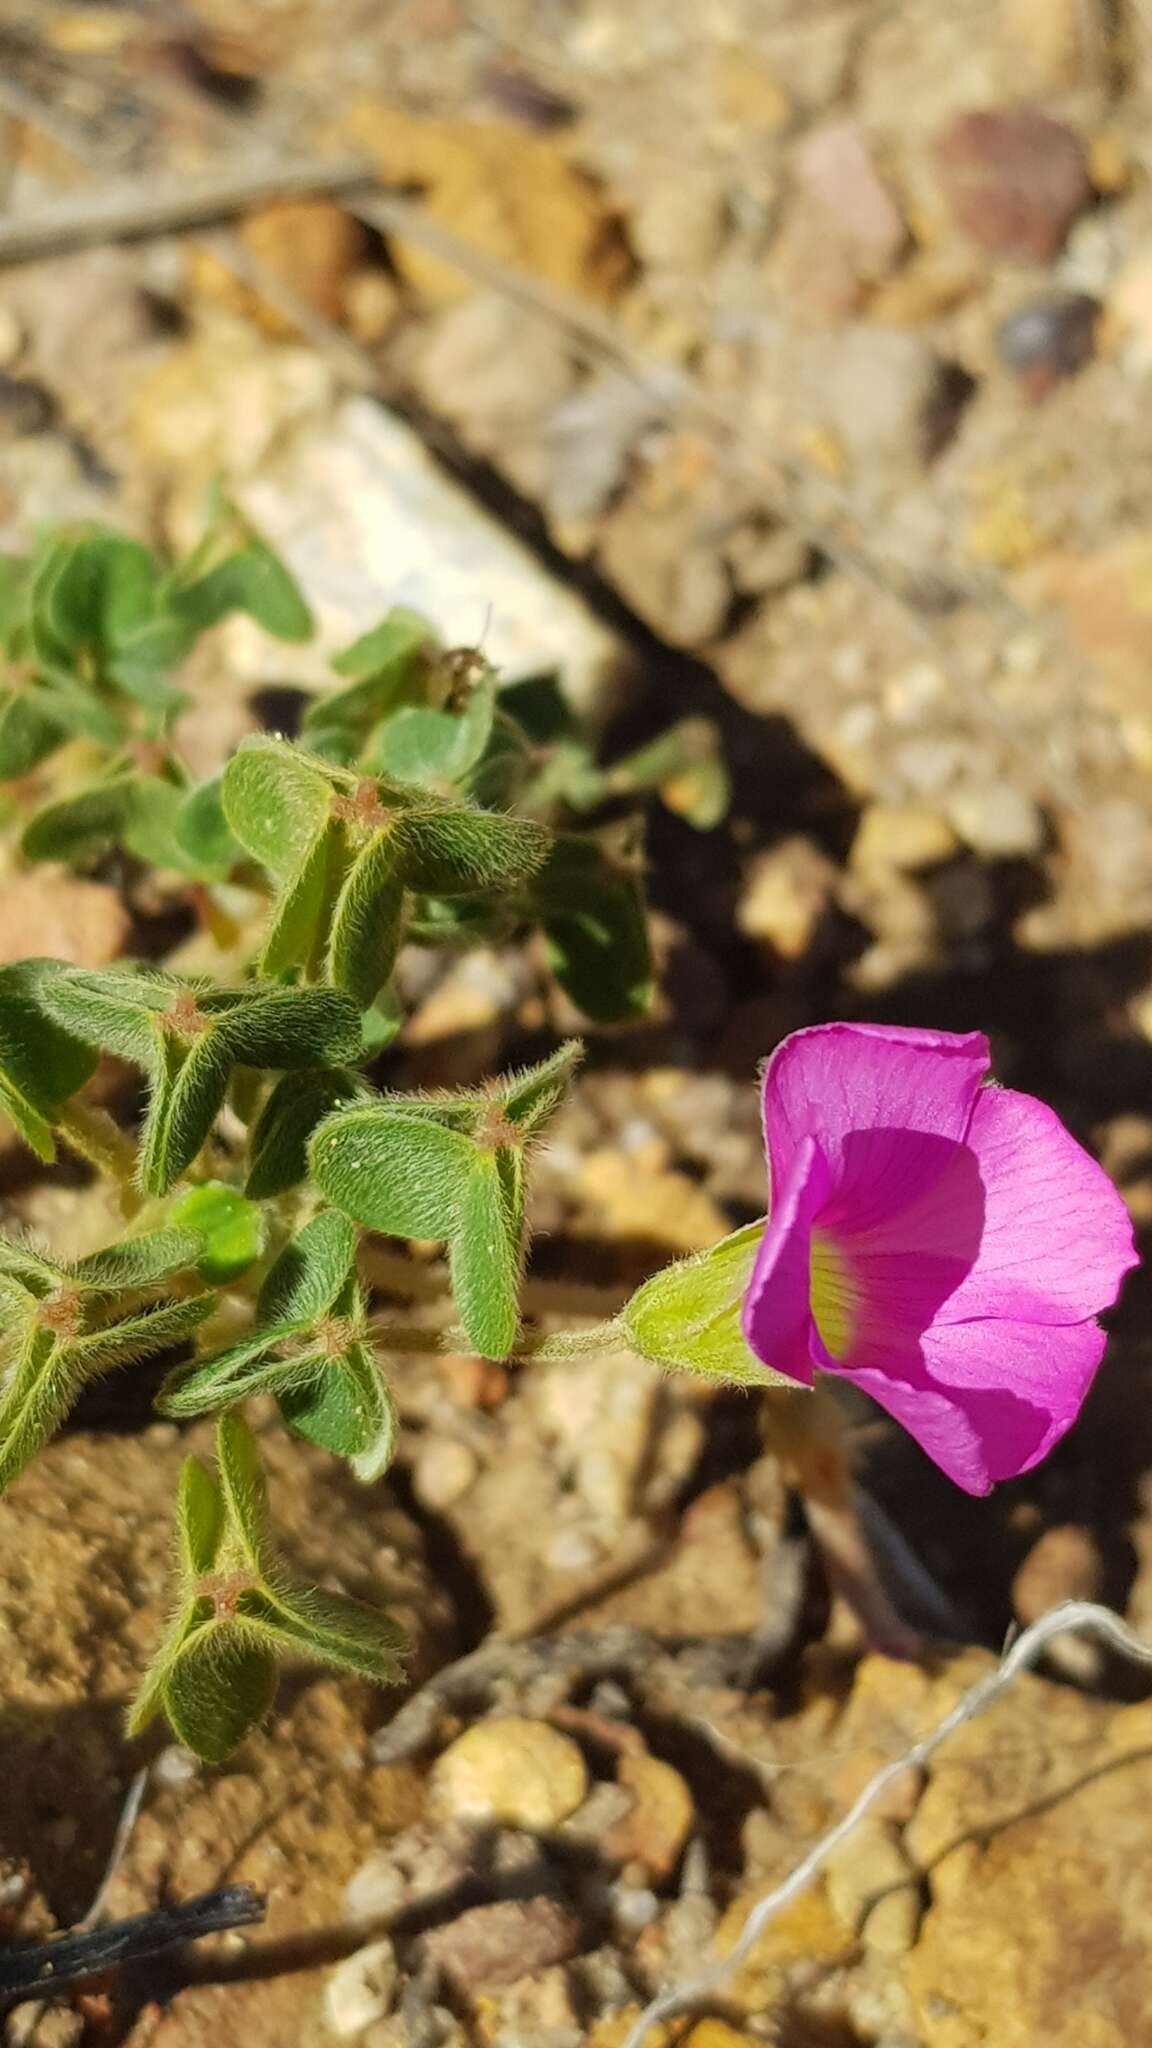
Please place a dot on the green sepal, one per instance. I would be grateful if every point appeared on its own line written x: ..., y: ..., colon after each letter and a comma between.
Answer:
x: 687, y: 1317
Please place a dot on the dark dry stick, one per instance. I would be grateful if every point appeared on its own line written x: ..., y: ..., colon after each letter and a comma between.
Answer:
x: 49, y: 1965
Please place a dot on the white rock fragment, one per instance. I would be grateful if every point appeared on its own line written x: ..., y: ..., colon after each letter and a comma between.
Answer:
x: 366, y: 519
x: 360, y: 1990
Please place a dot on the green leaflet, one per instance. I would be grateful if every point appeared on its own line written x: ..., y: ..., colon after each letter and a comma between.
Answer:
x: 367, y: 920
x: 42, y: 1065
x: 391, y: 1171
x: 488, y: 1250
x: 311, y: 1272
x: 278, y: 1143
x: 276, y: 802
x: 239, y: 1610
x: 456, y: 851
x: 51, y: 1370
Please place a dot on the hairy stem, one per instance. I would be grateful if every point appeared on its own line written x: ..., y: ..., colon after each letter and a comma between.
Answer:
x: 97, y: 1137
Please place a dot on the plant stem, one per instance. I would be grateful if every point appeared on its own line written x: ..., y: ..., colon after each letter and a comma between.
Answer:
x: 98, y: 1138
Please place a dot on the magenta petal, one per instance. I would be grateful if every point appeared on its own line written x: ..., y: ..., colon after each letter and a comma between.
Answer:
x: 1056, y: 1239
x: 989, y: 1399
x: 839, y: 1079
x: 777, y: 1316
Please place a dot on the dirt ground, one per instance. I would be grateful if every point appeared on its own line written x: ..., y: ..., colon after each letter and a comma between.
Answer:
x: 793, y: 360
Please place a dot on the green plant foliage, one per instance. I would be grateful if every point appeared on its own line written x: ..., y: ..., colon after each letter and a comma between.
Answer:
x: 426, y: 804
x: 588, y: 900
x: 189, y: 1040
x: 450, y: 1167
x: 63, y: 1325
x: 240, y: 1611
x: 309, y: 1348
x: 231, y: 1227
x: 42, y: 1063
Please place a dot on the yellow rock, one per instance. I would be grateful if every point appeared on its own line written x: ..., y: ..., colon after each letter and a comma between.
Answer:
x: 91, y: 31
x: 903, y: 837
x: 1033, y: 1829
x: 1004, y: 532
x: 660, y: 1820
x: 511, y: 1769
x: 786, y: 896
x: 510, y: 194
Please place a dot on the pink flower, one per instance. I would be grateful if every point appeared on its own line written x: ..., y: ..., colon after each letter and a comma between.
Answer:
x: 944, y: 1245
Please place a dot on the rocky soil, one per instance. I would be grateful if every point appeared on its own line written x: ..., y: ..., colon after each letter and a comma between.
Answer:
x: 789, y: 363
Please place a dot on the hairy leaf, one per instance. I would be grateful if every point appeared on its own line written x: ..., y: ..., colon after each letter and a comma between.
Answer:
x: 593, y: 917
x: 393, y: 1172
x: 330, y: 1629
x: 199, y: 1518
x: 366, y: 922
x: 531, y: 1097
x: 141, y: 1261
x: 311, y: 1272
x: 220, y: 1685
x: 278, y: 1143
x: 487, y: 1253
x: 453, y: 851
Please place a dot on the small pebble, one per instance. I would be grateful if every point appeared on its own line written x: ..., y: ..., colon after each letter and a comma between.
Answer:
x: 375, y: 1892
x: 511, y: 1769
x: 175, y: 1766
x: 488, y: 1946
x: 998, y: 820
x: 443, y: 1474
x: 360, y: 1989
x: 1049, y: 339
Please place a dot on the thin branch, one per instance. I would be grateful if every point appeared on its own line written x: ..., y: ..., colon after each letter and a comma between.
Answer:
x: 121, y: 212
x: 1072, y: 1614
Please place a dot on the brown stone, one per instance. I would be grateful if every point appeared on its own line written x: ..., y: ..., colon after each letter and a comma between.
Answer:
x: 501, y: 1943
x: 1016, y: 180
